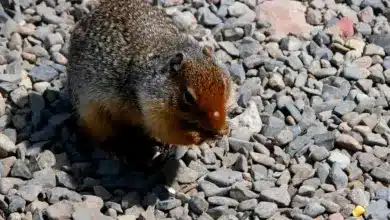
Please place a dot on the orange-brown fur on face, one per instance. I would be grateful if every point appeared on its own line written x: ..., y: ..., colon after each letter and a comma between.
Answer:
x: 211, y: 91
x: 209, y: 86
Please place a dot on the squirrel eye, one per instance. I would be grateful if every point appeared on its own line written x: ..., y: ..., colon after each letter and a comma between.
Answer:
x: 188, y: 97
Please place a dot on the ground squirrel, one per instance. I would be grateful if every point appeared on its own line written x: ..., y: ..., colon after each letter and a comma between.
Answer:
x: 129, y: 64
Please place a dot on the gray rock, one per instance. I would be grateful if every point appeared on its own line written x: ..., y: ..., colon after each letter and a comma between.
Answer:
x: 247, y: 205
x: 290, y: 43
x: 314, y: 209
x: 43, y: 73
x: 306, y: 190
x: 358, y: 197
x: 262, y: 159
x: 301, y: 172
x: 338, y: 177
x: 177, y: 212
x: 284, y: 178
x: 237, y: 72
x: 101, y: 192
x: 60, y: 210
x: 219, y: 211
x: 7, y: 146
x: 300, y: 201
x: 198, y: 204
x: 199, y: 168
x: 261, y: 185
x: 277, y: 195
x: 353, y: 171
x: 374, y: 139
x: 323, y: 171
x: 208, y: 156
x: 265, y: 209
x: 378, y: 210
x: 224, y: 177
x: 37, y: 214
x: 229, y: 48
x: 184, y: 20
x: 294, y: 111
x: 241, y: 193
x: 19, y: 96
x: 345, y: 107
x: 354, y: 73
x: 57, y: 194
x: 381, y: 174
x: 53, y: 39
x: 205, y: 216
x: 382, y: 194
x: 285, y: 137
x: 228, y: 217
x: 66, y: 180
x: 386, y: 62
x: 325, y: 72
x: 272, y: 126
x: 241, y: 164
x: 348, y: 142
x: 258, y: 172
x: 294, y: 62
x: 340, y: 158
x: 374, y: 4
x: 16, y: 204
x: 313, y: 17
x: 249, y: 47
x: 330, y: 206
x: 45, y: 178
x: 237, y: 9
x: 113, y: 205
x: 30, y: 192
x: 254, y: 61
x: 299, y: 145
x: 367, y: 161
x: 80, y: 213
x: 222, y: 201
x: 168, y: 204
x: 208, y: 18
x: 46, y: 159
x: 319, y: 153
x: 364, y: 28
x: 276, y: 81
x: 37, y: 50
x: 20, y: 169
x: 14, y: 216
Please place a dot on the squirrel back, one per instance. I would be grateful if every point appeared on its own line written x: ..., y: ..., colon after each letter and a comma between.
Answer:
x: 128, y: 62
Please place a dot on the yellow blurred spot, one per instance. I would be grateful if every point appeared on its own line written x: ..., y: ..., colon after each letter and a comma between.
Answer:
x: 358, y: 211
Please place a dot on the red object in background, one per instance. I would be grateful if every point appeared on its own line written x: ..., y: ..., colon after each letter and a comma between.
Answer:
x: 346, y: 27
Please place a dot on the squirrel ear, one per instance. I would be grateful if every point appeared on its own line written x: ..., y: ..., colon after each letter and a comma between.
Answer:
x: 176, y: 61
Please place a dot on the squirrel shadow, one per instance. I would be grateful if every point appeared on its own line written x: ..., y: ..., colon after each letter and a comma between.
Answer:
x: 136, y: 152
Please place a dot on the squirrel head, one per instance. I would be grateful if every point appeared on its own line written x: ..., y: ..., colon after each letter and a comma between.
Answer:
x: 203, y: 93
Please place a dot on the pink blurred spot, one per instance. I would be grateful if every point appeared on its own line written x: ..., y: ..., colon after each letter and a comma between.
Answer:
x: 346, y: 27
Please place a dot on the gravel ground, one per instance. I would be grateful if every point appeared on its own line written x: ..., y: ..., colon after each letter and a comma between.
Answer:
x: 310, y: 137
